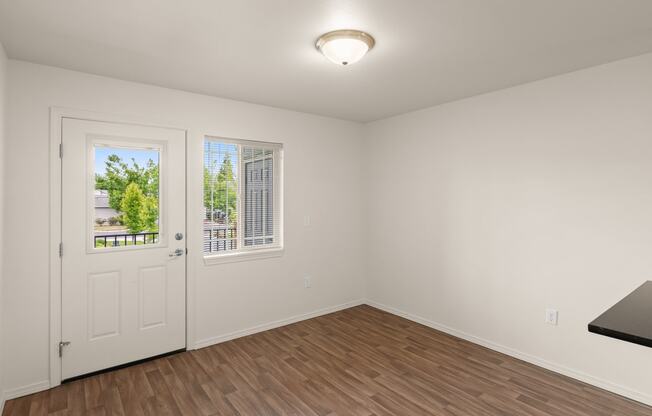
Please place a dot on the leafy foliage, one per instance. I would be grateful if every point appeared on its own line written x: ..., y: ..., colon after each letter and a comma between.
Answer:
x: 220, y: 191
x: 149, y: 213
x: 133, y: 190
x: 120, y: 174
x: 132, y: 208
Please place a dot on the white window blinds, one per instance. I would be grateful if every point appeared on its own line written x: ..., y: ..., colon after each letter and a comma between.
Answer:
x: 241, y: 196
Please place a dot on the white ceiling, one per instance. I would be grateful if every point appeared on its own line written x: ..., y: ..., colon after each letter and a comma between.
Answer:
x: 262, y: 51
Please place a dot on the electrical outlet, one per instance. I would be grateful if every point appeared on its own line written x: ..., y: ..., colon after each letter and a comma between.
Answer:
x: 307, y: 282
x: 552, y: 316
x: 306, y: 220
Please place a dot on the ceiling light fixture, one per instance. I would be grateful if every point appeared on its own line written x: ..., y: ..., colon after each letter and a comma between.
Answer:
x: 345, y: 47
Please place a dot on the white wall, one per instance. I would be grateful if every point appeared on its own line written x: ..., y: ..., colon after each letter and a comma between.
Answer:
x: 322, y: 179
x: 3, y: 108
x: 531, y: 197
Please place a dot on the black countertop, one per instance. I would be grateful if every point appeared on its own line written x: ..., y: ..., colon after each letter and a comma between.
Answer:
x: 630, y: 319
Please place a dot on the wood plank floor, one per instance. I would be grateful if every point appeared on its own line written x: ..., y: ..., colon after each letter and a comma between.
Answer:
x: 360, y: 361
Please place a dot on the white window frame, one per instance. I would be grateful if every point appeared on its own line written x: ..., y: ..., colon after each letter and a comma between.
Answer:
x: 243, y: 253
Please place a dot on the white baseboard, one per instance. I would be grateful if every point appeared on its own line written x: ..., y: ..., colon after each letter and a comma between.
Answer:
x: 569, y: 372
x: 586, y: 378
x: 25, y: 390
x: 271, y: 325
x: 44, y: 385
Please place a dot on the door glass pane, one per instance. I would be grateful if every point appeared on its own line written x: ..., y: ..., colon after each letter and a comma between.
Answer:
x: 126, y: 197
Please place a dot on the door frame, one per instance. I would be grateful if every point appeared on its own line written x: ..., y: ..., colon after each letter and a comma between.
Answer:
x: 57, y: 114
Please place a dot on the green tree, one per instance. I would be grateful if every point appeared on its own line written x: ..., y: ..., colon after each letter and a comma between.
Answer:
x: 132, y: 207
x: 149, y: 214
x: 120, y: 174
x: 209, y: 198
x: 220, y: 190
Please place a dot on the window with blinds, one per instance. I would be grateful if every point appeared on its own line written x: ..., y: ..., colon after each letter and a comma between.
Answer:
x: 241, y: 196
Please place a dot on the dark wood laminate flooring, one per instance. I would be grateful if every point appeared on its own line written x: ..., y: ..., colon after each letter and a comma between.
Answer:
x: 360, y: 361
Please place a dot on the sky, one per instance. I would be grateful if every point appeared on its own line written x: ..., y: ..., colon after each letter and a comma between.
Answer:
x: 140, y: 155
x: 214, y: 151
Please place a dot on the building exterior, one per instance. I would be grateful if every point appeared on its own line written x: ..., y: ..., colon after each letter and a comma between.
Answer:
x: 102, y: 207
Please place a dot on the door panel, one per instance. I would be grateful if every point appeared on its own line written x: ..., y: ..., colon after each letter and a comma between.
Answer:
x: 103, y: 305
x: 123, y: 285
x: 153, y: 296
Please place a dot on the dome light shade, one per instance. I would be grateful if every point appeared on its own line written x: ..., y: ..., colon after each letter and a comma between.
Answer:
x: 345, y: 47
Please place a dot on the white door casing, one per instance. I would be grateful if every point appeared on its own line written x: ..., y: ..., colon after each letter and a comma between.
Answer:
x: 126, y: 303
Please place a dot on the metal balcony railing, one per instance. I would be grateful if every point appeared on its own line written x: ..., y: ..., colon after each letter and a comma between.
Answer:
x: 121, y: 240
x: 220, y: 239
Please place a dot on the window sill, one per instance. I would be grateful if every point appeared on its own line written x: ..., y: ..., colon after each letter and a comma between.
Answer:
x: 252, y: 255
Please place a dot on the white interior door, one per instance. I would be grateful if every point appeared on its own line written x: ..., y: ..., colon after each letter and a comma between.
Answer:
x: 123, y: 264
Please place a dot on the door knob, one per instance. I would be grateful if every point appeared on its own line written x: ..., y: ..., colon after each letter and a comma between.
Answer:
x: 178, y: 252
